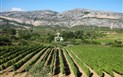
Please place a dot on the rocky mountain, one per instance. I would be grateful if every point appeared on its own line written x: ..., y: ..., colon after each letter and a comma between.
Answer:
x: 68, y: 18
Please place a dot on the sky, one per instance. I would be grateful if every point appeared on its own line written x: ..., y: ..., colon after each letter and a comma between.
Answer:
x: 61, y: 5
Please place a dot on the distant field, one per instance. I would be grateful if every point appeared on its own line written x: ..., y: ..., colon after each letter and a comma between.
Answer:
x: 111, y: 37
x: 100, y: 58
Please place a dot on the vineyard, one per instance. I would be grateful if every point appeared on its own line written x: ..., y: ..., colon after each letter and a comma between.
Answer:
x: 61, y: 61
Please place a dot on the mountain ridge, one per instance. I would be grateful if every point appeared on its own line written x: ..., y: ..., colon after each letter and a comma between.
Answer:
x: 68, y: 18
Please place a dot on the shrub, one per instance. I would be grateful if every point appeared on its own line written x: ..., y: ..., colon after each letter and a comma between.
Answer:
x: 40, y: 70
x: 14, y: 67
x: 3, y: 67
x: 109, y: 44
x: 0, y: 68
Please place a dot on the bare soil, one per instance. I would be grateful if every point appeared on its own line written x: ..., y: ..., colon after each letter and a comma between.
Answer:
x: 117, y: 75
x: 12, y: 74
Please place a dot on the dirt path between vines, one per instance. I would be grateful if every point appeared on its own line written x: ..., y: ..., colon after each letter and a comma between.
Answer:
x: 10, y: 68
x: 54, y: 64
x: 39, y: 60
x: 106, y: 74
x: 22, y: 68
x: 80, y: 69
x: 60, y: 74
x: 11, y: 74
x: 91, y: 70
x: 72, y: 73
x: 42, y: 56
x: 117, y: 75
x: 24, y: 74
x: 95, y: 74
x: 48, y: 57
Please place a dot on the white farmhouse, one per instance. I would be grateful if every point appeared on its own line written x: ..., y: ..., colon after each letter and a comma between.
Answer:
x: 58, y: 37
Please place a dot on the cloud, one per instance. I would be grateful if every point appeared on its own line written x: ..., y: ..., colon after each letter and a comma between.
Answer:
x: 17, y: 9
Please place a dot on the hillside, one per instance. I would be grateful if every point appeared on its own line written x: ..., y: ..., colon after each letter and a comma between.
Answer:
x: 68, y: 18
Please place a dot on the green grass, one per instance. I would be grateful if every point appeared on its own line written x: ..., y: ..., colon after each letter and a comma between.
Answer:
x: 61, y: 63
x: 100, y: 58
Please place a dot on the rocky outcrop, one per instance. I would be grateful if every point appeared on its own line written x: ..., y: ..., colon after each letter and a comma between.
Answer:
x: 68, y: 18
